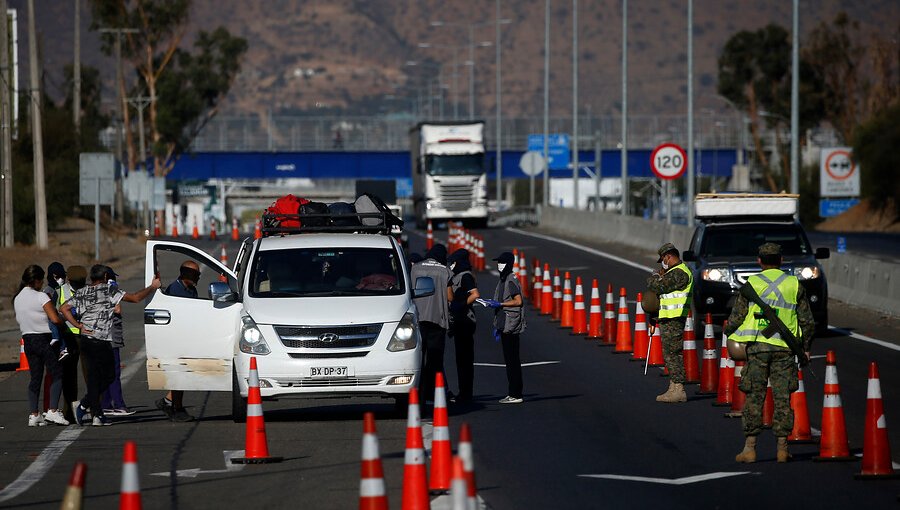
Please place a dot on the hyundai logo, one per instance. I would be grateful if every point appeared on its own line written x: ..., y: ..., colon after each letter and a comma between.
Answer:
x: 328, y: 337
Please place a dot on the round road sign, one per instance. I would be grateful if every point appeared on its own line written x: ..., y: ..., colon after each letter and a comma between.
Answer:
x: 839, y: 165
x: 532, y: 163
x: 668, y: 161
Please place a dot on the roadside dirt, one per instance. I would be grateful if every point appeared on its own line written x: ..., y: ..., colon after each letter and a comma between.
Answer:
x: 862, y: 218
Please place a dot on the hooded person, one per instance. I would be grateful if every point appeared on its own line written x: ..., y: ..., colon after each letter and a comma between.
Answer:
x: 434, y: 316
x: 463, y: 293
x: 509, y: 323
x: 56, y: 279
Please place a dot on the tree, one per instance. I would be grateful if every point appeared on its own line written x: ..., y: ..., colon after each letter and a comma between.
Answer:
x: 875, y: 145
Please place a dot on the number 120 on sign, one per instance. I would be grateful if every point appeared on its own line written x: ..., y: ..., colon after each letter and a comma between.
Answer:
x: 668, y: 161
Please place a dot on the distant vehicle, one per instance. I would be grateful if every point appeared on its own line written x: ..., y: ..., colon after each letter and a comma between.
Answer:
x: 724, y: 249
x: 449, y: 179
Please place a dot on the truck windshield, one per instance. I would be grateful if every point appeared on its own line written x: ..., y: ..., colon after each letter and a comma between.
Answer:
x: 455, y: 164
x: 318, y: 272
x: 744, y: 240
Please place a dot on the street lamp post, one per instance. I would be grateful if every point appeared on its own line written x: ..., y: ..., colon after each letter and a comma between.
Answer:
x: 470, y: 27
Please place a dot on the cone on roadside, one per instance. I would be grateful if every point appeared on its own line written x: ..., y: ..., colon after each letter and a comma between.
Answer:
x: 235, y: 232
x: 641, y: 340
x: 579, y: 318
x: 689, y: 354
x: 833, y: 444
x: 195, y: 232
x: 537, y: 285
x: 802, y: 431
x: 623, y: 326
x: 709, y: 370
x: 479, y: 250
x: 441, y: 453
x: 223, y: 258
x: 23, y: 359
x: 130, y: 495
x: 609, y: 318
x: 567, y: 317
x: 546, y: 292
x: 372, y: 492
x: 656, y: 358
x: 415, y: 478
x: 468, y: 459
x: 256, y: 449
x: 726, y: 373
x: 595, y: 319
x: 768, y: 414
x: 557, y: 297
x: 459, y: 491
x: 737, y: 396
x: 429, y: 236
x: 74, y: 495
x: 156, y: 230
x: 212, y: 230
x: 175, y: 226
x: 257, y: 230
x: 876, y: 458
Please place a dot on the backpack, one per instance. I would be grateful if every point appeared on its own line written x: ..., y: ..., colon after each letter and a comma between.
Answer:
x: 275, y: 214
x: 315, y: 208
x: 369, y: 203
x: 343, y: 209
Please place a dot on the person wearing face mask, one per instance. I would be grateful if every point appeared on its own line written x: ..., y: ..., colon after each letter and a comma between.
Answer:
x: 509, y: 323
x: 463, y: 292
x: 56, y: 278
x: 674, y: 284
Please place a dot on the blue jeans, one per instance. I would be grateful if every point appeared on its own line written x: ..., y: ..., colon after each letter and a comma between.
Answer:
x: 112, y: 397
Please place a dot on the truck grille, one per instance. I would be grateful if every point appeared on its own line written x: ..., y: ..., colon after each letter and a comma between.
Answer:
x: 328, y: 337
x: 303, y: 382
x: 456, y: 197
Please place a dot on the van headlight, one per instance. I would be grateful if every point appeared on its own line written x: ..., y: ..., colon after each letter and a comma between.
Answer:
x: 405, y: 336
x: 716, y: 274
x: 806, y: 272
x: 252, y: 341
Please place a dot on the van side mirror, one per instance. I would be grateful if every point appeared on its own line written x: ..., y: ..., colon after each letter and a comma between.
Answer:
x: 689, y: 256
x: 823, y: 253
x: 220, y: 292
x: 424, y: 287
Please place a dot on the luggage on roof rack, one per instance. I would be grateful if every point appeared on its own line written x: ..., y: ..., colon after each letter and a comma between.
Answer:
x: 368, y: 215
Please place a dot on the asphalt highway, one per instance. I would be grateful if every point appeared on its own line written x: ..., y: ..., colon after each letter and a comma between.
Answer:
x: 588, y: 423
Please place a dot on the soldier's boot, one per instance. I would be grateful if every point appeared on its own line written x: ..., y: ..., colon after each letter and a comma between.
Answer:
x: 783, y: 455
x: 677, y: 394
x: 748, y: 454
x: 666, y: 394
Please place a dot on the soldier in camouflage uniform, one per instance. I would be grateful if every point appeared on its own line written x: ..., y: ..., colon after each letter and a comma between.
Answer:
x: 674, y: 284
x: 770, y: 359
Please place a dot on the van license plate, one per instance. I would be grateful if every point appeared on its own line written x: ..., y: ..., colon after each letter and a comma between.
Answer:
x: 329, y: 372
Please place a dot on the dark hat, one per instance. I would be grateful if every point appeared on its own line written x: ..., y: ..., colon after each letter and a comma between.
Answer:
x: 666, y: 248
x: 109, y: 271
x: 77, y: 273
x: 437, y: 252
x: 57, y: 269
x: 770, y: 249
x: 415, y: 258
x: 505, y: 258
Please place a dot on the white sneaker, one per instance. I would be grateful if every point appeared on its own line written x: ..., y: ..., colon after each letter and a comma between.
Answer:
x: 53, y: 341
x: 36, y: 420
x: 55, y: 416
x: 511, y: 400
x: 63, y: 354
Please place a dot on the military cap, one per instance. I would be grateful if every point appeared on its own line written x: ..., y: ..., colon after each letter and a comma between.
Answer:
x: 770, y: 249
x: 666, y: 248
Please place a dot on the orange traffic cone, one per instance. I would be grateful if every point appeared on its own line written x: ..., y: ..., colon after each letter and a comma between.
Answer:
x: 768, y: 415
x: 130, y: 495
x: 876, y: 459
x: 74, y: 495
x: 655, y: 357
x: 737, y: 396
x: 256, y: 450
x: 726, y: 373
x: 175, y: 226
x: 156, y: 230
x: 223, y: 258
x: 641, y: 340
x: 441, y: 453
x: 609, y: 318
x: 459, y: 493
x: 23, y: 360
x: 537, y: 286
x: 579, y: 318
x: 802, y: 432
x: 557, y: 297
x: 567, y: 317
x: 523, y: 275
x: 689, y: 354
x: 235, y: 232
x: 372, y: 493
x: 546, y: 292
x: 212, y: 230
x: 623, y: 326
x: 195, y: 232
x: 833, y: 444
x: 480, y: 253
x: 709, y: 372
x: 595, y: 321
x: 429, y: 236
x: 257, y: 230
x: 415, y: 479
x: 468, y: 460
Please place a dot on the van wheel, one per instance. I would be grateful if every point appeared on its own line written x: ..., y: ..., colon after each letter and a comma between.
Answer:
x: 238, y: 403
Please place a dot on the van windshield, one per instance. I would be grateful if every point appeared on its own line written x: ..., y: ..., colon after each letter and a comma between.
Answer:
x: 312, y: 272
x: 744, y: 240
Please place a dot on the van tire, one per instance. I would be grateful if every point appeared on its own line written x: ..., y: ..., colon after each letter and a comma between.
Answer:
x: 238, y: 403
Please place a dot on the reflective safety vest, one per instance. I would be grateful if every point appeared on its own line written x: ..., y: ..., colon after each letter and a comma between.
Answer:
x: 61, y: 299
x: 779, y: 290
x: 677, y: 303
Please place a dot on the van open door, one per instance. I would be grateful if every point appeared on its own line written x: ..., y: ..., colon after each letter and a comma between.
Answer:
x: 190, y: 342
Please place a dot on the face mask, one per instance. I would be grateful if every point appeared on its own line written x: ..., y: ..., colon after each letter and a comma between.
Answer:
x: 453, y: 266
x: 665, y: 265
x: 60, y: 281
x: 501, y: 267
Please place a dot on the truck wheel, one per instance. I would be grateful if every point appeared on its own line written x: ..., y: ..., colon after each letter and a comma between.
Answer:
x: 238, y: 403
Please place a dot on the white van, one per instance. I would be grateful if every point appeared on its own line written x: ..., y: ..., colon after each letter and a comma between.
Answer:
x: 327, y: 312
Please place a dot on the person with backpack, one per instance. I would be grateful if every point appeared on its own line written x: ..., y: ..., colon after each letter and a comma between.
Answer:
x: 464, y: 292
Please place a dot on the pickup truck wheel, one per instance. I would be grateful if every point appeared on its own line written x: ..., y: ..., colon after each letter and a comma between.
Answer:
x: 238, y: 403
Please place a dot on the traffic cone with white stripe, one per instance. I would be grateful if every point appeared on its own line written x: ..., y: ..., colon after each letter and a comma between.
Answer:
x: 130, y: 495
x: 641, y: 340
x: 156, y: 230
x: 468, y: 460
x: 833, y: 444
x: 256, y: 449
x: 709, y: 371
x: 429, y: 236
x: 567, y: 317
x: 195, y: 232
x: 235, y: 232
x: 175, y: 227
x: 768, y: 414
x: 546, y: 292
x: 522, y: 273
x: 459, y: 493
x: 415, y: 478
x: 623, y: 326
x: 212, y: 230
x: 802, y: 431
x: 74, y: 495
x: 480, y: 249
x: 726, y: 373
x: 609, y: 318
x: 876, y: 459
x: 257, y: 230
x: 557, y: 297
x: 689, y: 354
x: 656, y: 358
x: 537, y: 286
x: 23, y: 359
x: 595, y: 320
x: 372, y: 493
x: 223, y: 258
x: 441, y: 453
x: 579, y: 319
x: 737, y: 396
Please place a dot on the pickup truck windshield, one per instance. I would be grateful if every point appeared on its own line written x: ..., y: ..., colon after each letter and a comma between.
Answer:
x: 318, y: 272
x: 456, y: 164
x: 744, y: 240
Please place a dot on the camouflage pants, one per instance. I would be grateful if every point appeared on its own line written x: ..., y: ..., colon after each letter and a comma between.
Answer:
x: 671, y: 331
x: 767, y: 363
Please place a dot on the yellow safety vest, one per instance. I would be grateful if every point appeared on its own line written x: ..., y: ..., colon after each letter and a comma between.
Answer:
x: 61, y: 300
x: 677, y: 303
x: 779, y: 290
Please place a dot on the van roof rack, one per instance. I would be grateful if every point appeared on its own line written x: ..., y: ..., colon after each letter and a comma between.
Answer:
x: 273, y: 224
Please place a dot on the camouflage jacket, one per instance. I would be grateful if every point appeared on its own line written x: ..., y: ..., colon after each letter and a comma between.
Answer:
x: 804, y: 317
x: 669, y: 282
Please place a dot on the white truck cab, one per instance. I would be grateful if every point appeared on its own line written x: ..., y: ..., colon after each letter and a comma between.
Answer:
x: 326, y: 313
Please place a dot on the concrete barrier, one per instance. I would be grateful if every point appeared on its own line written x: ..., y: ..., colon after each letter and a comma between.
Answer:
x: 853, y: 279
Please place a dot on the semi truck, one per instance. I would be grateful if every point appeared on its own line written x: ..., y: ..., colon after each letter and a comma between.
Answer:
x: 448, y: 172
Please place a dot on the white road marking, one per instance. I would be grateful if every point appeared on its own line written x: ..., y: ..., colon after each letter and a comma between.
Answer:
x: 193, y: 472
x: 672, y: 481
x: 817, y: 356
x: 532, y: 364
x: 865, y: 338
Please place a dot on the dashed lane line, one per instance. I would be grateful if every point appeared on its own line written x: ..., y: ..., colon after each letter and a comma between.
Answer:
x: 671, y: 481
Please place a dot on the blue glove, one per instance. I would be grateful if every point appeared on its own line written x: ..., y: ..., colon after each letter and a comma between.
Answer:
x: 496, y: 335
x: 493, y: 304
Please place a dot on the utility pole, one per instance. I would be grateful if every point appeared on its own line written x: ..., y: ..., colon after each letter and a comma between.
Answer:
x: 624, y: 152
x: 40, y: 195
x: 546, y: 186
x: 795, y: 101
x: 139, y: 103
x: 575, y: 101
x: 690, y: 119
x: 5, y: 139
x: 76, y: 70
x: 499, y: 141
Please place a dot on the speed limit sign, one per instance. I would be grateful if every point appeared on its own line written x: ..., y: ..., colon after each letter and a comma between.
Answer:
x: 668, y: 161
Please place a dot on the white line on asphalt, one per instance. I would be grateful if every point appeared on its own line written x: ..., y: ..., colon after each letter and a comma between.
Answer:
x: 532, y: 364
x: 865, y: 338
x: 671, y: 481
x: 42, y: 464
